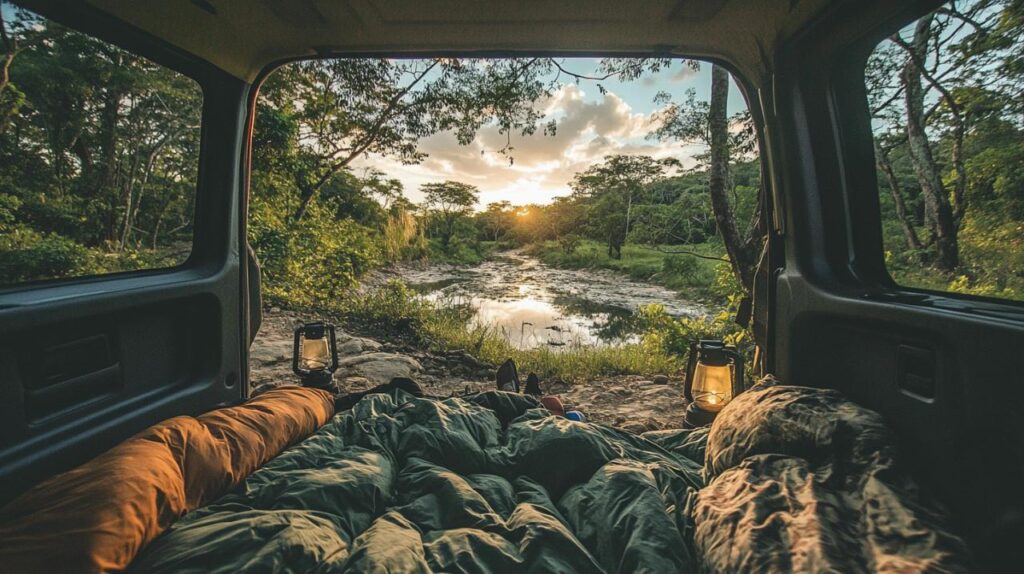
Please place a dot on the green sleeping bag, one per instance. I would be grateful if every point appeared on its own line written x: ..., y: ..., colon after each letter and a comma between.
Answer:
x: 485, y: 484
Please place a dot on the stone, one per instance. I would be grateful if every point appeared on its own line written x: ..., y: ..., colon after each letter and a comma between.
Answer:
x: 379, y: 368
x: 353, y: 384
x: 369, y: 344
x: 272, y: 351
x: 660, y: 379
x: 657, y: 392
x: 356, y: 345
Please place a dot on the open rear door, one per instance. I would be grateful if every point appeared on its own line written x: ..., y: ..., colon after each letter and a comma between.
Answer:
x: 944, y: 369
x: 87, y: 357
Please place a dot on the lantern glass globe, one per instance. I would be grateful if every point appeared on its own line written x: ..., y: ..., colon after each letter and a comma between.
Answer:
x: 712, y: 385
x: 316, y: 354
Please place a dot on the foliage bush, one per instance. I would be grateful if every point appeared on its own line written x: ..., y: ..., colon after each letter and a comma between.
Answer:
x: 686, y: 271
x: 569, y: 243
x: 460, y: 250
x: 315, y: 261
x: 27, y: 255
x: 694, y: 277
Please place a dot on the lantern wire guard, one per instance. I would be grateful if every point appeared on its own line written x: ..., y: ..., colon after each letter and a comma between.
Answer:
x: 714, y: 376
x: 315, y: 354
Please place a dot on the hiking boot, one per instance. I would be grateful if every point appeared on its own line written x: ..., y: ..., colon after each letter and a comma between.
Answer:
x: 533, y: 385
x: 507, y: 377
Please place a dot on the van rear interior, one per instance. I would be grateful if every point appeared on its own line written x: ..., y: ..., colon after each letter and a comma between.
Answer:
x: 890, y: 438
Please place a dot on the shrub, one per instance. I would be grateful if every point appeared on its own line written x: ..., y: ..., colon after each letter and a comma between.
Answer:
x: 313, y: 262
x: 27, y: 255
x: 569, y: 243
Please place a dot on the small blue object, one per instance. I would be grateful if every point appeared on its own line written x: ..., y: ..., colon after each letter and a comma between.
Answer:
x: 575, y: 416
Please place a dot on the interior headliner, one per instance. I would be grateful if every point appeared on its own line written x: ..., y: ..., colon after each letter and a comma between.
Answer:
x: 243, y: 37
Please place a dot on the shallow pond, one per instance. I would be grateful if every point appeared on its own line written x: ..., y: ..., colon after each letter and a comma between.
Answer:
x: 536, y: 305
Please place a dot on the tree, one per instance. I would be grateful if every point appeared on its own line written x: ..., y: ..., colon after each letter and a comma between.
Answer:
x: 561, y: 218
x: 924, y: 92
x: 353, y: 107
x: 11, y: 98
x: 708, y: 123
x: 116, y: 132
x: 895, y: 189
x: 449, y: 202
x: 496, y: 220
x: 610, y: 188
x: 945, y: 97
x: 386, y: 190
x: 939, y: 212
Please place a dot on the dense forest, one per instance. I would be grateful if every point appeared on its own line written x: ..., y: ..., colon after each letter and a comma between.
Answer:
x: 99, y: 154
x: 947, y: 100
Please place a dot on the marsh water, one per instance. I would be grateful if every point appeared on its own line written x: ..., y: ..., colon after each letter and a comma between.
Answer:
x: 534, y: 305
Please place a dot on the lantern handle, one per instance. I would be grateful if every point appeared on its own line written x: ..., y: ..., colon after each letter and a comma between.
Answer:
x: 295, y: 353
x: 691, y: 366
x: 334, y: 349
x: 738, y: 383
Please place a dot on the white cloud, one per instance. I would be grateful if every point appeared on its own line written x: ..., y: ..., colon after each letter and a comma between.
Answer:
x: 587, y: 130
x: 682, y: 73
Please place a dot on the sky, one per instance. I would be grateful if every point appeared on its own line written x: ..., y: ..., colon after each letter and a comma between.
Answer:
x: 591, y: 125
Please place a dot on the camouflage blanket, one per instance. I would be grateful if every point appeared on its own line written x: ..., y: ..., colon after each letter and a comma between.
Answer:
x: 797, y: 480
x: 803, y: 480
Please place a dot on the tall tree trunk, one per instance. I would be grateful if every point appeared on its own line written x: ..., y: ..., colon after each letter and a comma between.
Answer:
x: 108, y: 132
x: 448, y: 231
x: 306, y: 195
x: 133, y: 215
x: 155, y: 236
x: 128, y: 197
x: 10, y: 48
x: 629, y: 210
x: 741, y: 256
x: 937, y: 208
x: 909, y: 233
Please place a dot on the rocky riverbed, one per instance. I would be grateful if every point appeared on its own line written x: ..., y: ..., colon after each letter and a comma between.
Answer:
x: 633, y: 403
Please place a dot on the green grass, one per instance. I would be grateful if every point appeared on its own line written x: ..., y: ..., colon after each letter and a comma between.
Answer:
x: 464, y: 252
x: 692, y: 276
x: 567, y: 363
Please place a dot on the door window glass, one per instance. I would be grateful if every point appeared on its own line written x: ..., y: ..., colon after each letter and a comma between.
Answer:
x: 947, y: 101
x: 99, y: 153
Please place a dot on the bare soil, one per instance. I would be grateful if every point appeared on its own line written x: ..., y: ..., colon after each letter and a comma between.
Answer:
x: 633, y: 403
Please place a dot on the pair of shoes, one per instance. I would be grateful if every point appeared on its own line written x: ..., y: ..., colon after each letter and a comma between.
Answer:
x: 554, y: 405
x: 508, y: 380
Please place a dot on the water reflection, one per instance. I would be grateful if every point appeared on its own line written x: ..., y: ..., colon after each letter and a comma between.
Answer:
x: 534, y: 305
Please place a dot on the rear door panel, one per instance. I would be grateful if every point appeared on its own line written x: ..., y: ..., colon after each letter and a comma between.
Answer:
x: 86, y: 363
x: 945, y: 371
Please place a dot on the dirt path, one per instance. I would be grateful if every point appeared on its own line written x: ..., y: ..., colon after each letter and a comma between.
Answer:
x: 633, y: 403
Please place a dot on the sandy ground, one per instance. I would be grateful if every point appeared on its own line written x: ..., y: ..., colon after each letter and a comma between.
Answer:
x: 633, y: 403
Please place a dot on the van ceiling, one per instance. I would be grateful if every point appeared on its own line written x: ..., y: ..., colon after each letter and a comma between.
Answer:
x: 244, y: 36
